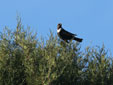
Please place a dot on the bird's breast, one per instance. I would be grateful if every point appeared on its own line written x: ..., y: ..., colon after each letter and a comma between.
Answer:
x: 59, y: 30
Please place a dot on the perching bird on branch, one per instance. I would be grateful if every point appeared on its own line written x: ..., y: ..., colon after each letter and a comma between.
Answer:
x: 65, y: 35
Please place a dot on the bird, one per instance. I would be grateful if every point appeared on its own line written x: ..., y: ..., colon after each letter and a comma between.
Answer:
x: 65, y: 35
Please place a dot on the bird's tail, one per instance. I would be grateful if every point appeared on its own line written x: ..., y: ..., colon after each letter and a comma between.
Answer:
x: 78, y: 39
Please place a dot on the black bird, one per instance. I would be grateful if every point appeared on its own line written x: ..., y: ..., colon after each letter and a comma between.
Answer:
x: 65, y: 35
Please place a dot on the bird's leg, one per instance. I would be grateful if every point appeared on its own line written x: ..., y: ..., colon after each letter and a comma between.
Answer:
x: 72, y: 39
x: 66, y: 41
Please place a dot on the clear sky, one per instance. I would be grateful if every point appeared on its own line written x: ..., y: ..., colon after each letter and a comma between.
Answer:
x: 90, y: 19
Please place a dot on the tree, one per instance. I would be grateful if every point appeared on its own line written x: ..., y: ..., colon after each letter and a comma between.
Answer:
x: 26, y: 59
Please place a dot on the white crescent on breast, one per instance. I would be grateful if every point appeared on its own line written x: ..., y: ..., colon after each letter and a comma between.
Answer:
x: 58, y: 30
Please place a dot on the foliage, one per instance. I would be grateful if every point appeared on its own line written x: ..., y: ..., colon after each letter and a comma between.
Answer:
x: 28, y: 60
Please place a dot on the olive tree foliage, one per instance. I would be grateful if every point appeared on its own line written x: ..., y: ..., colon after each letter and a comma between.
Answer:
x: 26, y: 59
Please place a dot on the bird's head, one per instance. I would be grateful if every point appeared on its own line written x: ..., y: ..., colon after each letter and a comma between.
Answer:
x: 59, y: 26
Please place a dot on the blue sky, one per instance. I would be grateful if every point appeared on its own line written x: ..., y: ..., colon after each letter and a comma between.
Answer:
x: 90, y: 19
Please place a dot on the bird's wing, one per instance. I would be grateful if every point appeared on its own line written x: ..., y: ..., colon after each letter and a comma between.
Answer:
x: 68, y: 33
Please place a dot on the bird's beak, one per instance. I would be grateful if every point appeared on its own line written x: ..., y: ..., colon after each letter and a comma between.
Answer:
x: 59, y: 26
